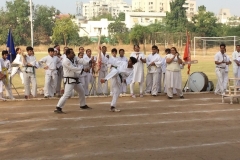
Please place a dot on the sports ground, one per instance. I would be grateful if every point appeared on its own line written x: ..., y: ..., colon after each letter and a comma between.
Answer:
x: 198, y: 127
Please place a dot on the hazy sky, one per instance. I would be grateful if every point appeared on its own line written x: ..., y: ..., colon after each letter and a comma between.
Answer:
x: 68, y: 6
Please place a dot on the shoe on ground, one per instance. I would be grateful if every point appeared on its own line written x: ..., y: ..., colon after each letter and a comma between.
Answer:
x: 133, y: 96
x: 58, y: 110
x: 85, y: 107
x: 154, y: 95
x: 170, y: 97
x: 113, y: 109
x: 181, y: 97
x: 46, y: 96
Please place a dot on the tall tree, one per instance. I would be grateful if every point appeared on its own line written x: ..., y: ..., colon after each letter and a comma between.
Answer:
x: 139, y: 33
x: 121, y: 16
x: 176, y: 19
x: 205, y: 23
x: 44, y: 21
x: 17, y: 16
x: 63, y: 30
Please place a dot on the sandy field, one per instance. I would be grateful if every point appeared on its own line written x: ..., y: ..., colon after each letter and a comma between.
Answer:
x: 198, y: 127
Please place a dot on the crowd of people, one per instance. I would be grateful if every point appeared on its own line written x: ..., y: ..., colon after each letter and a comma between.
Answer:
x: 78, y: 71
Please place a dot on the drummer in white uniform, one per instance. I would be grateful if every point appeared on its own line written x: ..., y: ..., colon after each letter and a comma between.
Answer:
x: 221, y: 63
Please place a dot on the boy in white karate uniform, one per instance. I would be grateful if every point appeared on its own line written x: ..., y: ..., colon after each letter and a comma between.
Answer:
x: 112, y: 63
x: 52, y: 64
x: 154, y: 62
x: 6, y: 68
x: 17, y: 61
x: 123, y: 59
x: 116, y: 76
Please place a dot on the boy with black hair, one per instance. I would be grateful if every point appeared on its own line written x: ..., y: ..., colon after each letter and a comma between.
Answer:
x: 52, y: 63
x: 6, y: 69
x: 124, y: 59
x: 29, y: 74
x: 122, y: 68
x: 154, y: 62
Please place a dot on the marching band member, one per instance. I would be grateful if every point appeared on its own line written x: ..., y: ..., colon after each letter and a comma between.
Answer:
x: 29, y: 74
x: 6, y: 69
x: 103, y: 71
x: 17, y: 69
x: 221, y: 62
x: 111, y: 63
x: 138, y: 74
x: 173, y: 77
x: 124, y: 59
x: 71, y: 80
x: 154, y: 63
x: 116, y: 76
x: 52, y: 64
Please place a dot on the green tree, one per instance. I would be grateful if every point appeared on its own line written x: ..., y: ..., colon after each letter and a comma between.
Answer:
x: 17, y: 16
x: 64, y: 30
x: 121, y: 16
x: 205, y: 23
x: 139, y: 33
x: 176, y: 19
x: 3, y: 27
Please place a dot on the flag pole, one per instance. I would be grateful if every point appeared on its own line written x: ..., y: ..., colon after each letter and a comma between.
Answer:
x: 10, y: 52
x: 31, y: 21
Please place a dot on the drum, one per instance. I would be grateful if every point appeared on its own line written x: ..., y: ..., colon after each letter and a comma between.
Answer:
x: 198, y: 82
x: 210, y: 86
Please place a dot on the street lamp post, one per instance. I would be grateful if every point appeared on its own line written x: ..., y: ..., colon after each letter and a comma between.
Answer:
x: 31, y: 21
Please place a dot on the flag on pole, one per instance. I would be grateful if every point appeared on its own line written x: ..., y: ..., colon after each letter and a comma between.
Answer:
x: 187, y: 53
x: 11, y: 47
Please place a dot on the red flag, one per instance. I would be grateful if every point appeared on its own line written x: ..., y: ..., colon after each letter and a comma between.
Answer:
x: 187, y: 54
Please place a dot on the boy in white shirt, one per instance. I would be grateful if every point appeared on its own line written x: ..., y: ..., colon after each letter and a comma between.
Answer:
x: 123, y: 59
x: 18, y: 62
x: 111, y: 63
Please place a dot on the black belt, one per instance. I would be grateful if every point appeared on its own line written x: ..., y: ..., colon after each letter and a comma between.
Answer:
x: 121, y: 78
x: 67, y: 81
x: 221, y: 67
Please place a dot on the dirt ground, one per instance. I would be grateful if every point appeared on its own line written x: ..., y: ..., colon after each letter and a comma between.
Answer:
x: 198, y: 127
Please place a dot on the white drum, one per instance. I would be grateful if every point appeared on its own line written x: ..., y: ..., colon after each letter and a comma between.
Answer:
x: 198, y: 82
x: 210, y: 86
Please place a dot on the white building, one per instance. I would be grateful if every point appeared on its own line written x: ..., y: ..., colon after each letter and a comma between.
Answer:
x: 224, y: 15
x: 162, y: 6
x: 98, y: 7
x: 142, y: 18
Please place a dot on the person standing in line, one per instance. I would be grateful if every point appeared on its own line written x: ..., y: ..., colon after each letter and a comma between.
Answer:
x: 138, y: 73
x: 111, y: 64
x: 103, y: 71
x: 71, y: 80
x: 154, y: 62
x: 91, y: 61
x: 2, y: 78
x: 52, y: 63
x: 17, y: 61
x: 29, y: 73
x: 226, y: 71
x: 173, y: 77
x: 115, y: 74
x: 236, y: 63
x: 123, y: 59
x: 221, y: 63
x: 6, y: 69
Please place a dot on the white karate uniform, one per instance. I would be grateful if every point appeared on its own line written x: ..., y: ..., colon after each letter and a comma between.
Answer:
x: 29, y: 75
x: 71, y: 76
x: 124, y: 85
x: 17, y: 70
x: 116, y: 80
x: 153, y: 72
x: 6, y: 67
x: 138, y: 72
x: 226, y: 73
x: 83, y: 77
x: 112, y: 62
x: 1, y: 82
x: 173, y: 80
x: 235, y: 56
x: 220, y: 72
x: 90, y: 74
x: 51, y: 75
x: 103, y: 73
